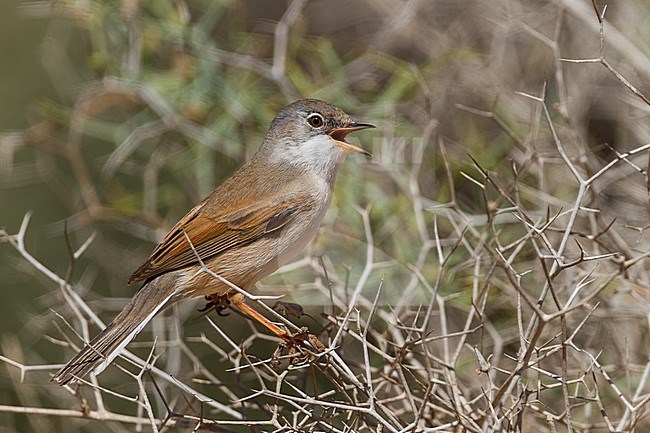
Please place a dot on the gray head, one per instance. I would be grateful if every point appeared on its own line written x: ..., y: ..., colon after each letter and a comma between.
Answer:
x: 309, y: 132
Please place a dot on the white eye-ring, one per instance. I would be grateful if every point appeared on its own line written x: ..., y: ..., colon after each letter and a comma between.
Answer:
x: 315, y: 120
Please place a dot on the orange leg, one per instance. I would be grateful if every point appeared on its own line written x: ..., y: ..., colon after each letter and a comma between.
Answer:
x: 239, y: 301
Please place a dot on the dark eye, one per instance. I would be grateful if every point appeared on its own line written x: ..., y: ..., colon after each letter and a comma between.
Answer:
x: 315, y: 120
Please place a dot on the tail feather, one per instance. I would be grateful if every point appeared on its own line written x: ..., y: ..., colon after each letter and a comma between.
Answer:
x: 103, y: 349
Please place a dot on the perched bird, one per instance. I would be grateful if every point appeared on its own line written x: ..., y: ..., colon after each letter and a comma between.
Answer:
x: 254, y: 222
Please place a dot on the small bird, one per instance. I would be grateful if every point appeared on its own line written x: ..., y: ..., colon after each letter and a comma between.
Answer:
x: 254, y: 222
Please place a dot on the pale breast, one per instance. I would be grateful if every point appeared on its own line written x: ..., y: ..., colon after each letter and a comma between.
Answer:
x: 245, y: 265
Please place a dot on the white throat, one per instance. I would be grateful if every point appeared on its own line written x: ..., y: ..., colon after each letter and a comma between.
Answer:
x: 319, y: 155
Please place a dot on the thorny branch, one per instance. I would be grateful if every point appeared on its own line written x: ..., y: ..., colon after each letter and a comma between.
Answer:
x: 423, y: 347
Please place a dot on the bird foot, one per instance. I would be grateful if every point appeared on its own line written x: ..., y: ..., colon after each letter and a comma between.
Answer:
x: 302, y: 347
x: 306, y: 340
x: 217, y: 303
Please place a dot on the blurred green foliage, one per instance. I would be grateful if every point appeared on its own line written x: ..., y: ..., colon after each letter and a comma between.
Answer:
x: 123, y: 115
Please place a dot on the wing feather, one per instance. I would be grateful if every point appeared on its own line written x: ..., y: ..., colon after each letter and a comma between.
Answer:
x: 213, y: 235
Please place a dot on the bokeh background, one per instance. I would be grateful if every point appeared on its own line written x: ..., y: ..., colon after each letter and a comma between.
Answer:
x: 117, y: 116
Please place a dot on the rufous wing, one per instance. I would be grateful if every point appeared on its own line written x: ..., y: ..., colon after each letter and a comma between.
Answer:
x: 209, y: 235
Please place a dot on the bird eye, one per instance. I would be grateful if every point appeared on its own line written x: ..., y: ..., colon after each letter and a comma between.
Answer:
x: 315, y: 120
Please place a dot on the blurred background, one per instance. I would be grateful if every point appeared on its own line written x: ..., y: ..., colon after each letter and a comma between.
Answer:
x: 116, y: 117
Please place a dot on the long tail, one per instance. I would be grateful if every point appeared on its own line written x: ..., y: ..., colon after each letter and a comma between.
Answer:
x: 103, y: 349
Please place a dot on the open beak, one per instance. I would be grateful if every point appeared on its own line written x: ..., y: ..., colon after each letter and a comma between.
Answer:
x: 339, y: 134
